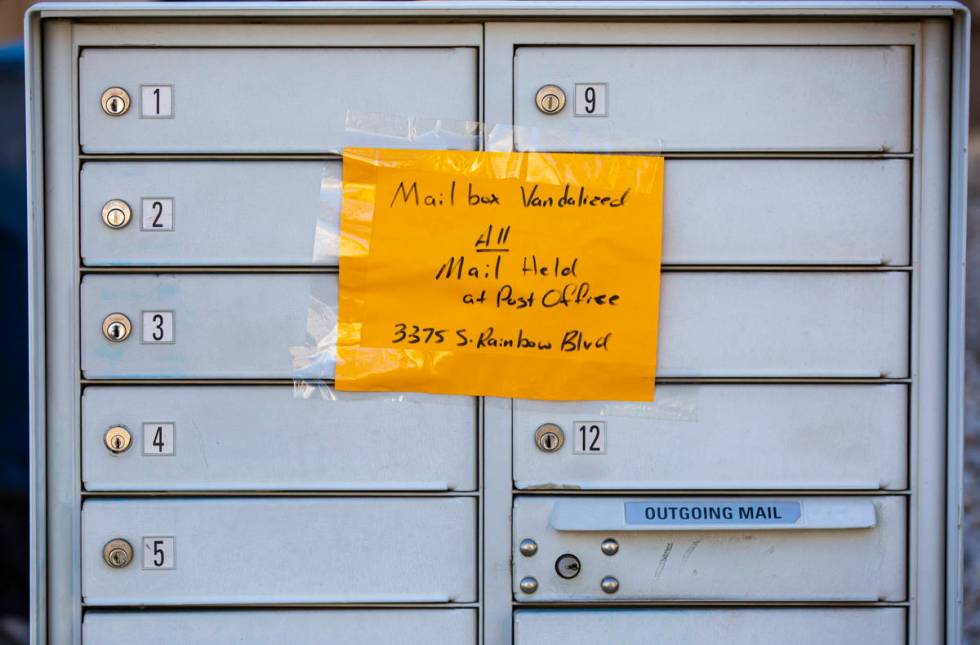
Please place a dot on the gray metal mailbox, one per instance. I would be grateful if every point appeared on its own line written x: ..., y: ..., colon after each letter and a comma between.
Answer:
x: 197, y: 478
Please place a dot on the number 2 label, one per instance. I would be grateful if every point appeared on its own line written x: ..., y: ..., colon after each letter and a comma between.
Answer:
x: 590, y: 438
x: 157, y: 214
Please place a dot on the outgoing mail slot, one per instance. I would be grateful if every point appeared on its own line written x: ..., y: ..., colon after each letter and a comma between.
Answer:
x: 281, y: 550
x: 721, y: 436
x: 282, y: 627
x: 746, y: 211
x: 718, y: 549
x: 277, y: 438
x: 276, y: 100
x: 791, y: 324
x: 811, y: 626
x: 717, y: 98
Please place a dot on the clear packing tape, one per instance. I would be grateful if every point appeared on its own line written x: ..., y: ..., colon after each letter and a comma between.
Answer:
x: 315, y: 361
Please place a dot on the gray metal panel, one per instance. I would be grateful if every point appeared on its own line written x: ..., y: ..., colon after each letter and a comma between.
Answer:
x: 700, y: 626
x: 711, y: 324
x: 717, y: 565
x: 285, y: 550
x: 225, y: 213
x: 281, y: 438
x: 716, y: 211
x: 725, y: 437
x: 720, y: 98
x: 283, y: 627
x: 290, y: 100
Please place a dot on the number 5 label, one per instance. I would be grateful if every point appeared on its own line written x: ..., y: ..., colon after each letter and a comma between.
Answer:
x: 158, y: 553
x: 590, y: 438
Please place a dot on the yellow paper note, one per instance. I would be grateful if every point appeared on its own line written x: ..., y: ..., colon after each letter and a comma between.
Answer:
x: 501, y: 274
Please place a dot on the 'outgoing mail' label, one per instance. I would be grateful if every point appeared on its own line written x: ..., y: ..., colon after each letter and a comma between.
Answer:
x: 742, y: 512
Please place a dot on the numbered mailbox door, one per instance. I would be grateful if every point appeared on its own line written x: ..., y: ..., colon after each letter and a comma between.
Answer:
x: 278, y: 551
x: 778, y: 324
x: 717, y: 549
x: 718, y: 436
x: 291, y: 100
x: 211, y: 213
x: 841, y: 98
x: 282, y: 627
x: 700, y: 626
x: 716, y: 211
x: 307, y: 437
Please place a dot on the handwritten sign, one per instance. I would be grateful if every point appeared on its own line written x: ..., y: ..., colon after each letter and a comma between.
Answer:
x: 501, y: 274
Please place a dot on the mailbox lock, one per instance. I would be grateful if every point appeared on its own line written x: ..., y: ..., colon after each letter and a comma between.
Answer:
x: 549, y: 437
x: 550, y: 99
x: 116, y: 327
x: 568, y: 566
x: 529, y: 585
x: 117, y: 439
x: 610, y: 546
x: 528, y: 547
x: 115, y: 101
x: 116, y: 213
x: 117, y: 553
x: 609, y: 585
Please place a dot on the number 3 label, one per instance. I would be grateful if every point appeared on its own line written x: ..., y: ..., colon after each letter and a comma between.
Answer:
x: 158, y: 327
x: 158, y: 553
x: 590, y: 438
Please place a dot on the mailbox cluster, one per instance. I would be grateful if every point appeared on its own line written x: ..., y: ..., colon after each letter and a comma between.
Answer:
x: 789, y: 478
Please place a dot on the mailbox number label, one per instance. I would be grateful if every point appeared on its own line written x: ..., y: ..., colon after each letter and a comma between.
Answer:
x: 158, y: 327
x: 158, y: 439
x: 590, y: 99
x: 157, y: 214
x: 590, y: 438
x: 158, y: 553
x: 157, y: 101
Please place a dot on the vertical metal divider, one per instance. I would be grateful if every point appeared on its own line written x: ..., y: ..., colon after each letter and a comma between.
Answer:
x: 929, y: 356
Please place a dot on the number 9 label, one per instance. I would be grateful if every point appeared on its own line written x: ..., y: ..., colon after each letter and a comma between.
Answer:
x: 590, y: 99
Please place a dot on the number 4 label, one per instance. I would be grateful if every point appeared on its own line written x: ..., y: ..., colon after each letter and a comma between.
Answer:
x: 158, y: 439
x: 590, y: 438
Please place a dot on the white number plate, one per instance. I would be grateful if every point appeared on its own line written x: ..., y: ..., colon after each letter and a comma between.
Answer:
x: 156, y: 101
x: 157, y: 214
x: 159, y: 439
x: 158, y: 327
x: 158, y: 553
x: 589, y: 438
x: 591, y: 99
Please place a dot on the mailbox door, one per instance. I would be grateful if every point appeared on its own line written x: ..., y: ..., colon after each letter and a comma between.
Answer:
x: 716, y: 211
x: 721, y: 436
x: 282, y: 627
x: 791, y: 324
x: 700, y: 626
x: 717, y: 98
x: 847, y: 549
x: 292, y: 99
x: 277, y: 438
x: 281, y: 550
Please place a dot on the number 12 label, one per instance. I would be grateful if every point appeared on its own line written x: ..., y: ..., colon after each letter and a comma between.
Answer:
x: 590, y: 438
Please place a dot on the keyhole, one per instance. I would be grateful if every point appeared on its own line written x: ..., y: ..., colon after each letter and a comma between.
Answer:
x: 117, y: 442
x: 550, y: 102
x: 115, y: 330
x: 549, y: 441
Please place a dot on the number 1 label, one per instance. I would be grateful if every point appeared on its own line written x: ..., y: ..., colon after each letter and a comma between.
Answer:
x: 156, y: 101
x: 590, y: 438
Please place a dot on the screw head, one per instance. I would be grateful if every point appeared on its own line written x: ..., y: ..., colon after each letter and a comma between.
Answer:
x: 549, y: 437
x: 116, y: 213
x: 610, y: 546
x: 117, y: 553
x: 568, y: 566
x: 528, y: 547
x: 115, y: 101
x: 609, y: 585
x: 117, y: 439
x: 116, y: 327
x: 529, y: 585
